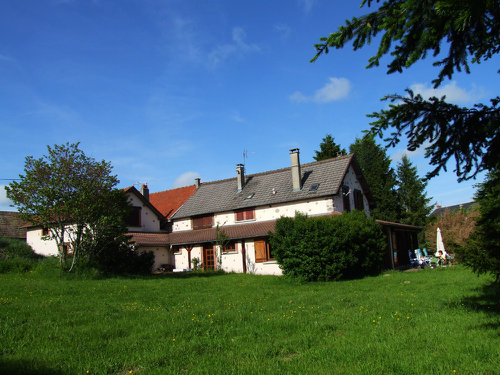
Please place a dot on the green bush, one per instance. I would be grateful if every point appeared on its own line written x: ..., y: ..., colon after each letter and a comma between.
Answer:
x: 17, y: 256
x: 328, y: 248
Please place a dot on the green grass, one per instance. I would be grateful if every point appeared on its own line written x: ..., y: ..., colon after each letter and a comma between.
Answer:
x: 443, y: 321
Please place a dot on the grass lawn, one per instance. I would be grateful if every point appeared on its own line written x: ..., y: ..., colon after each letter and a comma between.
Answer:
x: 443, y: 321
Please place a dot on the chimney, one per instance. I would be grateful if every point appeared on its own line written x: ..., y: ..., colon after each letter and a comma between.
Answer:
x: 145, y: 191
x: 240, y: 170
x: 197, y: 182
x: 296, y: 176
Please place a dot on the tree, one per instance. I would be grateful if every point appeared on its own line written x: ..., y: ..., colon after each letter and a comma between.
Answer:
x: 381, y: 179
x: 328, y: 149
x: 456, y: 226
x: 69, y: 193
x: 413, y: 202
x: 482, y: 250
x: 410, y: 31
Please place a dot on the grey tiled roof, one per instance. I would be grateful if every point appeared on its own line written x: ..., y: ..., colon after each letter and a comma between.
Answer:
x: 220, y: 196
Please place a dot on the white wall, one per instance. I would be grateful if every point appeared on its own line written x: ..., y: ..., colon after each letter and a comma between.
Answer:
x: 162, y: 255
x: 40, y: 246
x: 352, y: 182
x: 149, y: 220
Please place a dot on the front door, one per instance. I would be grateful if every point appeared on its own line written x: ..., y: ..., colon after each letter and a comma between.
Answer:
x: 208, y: 257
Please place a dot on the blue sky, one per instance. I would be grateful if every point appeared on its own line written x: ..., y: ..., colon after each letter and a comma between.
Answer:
x: 172, y: 90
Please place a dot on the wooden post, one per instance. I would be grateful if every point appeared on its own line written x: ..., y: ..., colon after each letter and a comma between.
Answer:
x: 189, y: 248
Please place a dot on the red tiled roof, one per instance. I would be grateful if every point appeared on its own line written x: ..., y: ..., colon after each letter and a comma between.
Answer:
x: 169, y: 201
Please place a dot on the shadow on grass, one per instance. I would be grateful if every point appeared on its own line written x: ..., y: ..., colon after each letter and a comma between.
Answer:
x: 487, y: 300
x: 28, y: 367
x: 177, y: 275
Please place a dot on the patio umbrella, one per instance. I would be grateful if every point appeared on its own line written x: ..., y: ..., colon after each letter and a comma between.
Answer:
x: 440, y: 244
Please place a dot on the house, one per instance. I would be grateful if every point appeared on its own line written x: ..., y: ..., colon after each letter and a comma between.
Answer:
x: 440, y: 211
x: 11, y: 225
x: 180, y: 226
x: 247, y: 207
x: 144, y: 218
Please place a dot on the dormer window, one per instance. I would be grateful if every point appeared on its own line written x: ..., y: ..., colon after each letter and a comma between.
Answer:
x: 245, y: 214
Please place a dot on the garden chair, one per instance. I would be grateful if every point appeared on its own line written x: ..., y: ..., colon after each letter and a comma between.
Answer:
x: 413, y: 261
x: 422, y: 260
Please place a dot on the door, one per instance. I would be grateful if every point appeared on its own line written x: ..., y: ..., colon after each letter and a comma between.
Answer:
x: 208, y: 257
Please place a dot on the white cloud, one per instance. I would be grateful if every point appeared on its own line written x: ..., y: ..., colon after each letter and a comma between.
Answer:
x: 4, y: 201
x: 283, y: 30
x: 5, y: 58
x: 398, y: 154
x: 306, y: 5
x: 236, y: 116
x: 453, y: 93
x: 335, y: 89
x: 185, y: 179
x: 238, y: 47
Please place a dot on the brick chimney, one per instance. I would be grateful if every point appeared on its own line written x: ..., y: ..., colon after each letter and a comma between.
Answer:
x: 145, y: 191
x: 240, y: 176
x: 296, y: 175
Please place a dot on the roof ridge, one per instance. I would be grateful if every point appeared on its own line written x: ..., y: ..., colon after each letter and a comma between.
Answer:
x: 164, y: 191
x: 337, y: 158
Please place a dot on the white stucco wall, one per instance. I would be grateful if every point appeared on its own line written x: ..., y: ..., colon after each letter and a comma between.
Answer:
x: 39, y: 245
x: 162, y: 255
x: 352, y: 182
x: 149, y: 220
x: 262, y: 268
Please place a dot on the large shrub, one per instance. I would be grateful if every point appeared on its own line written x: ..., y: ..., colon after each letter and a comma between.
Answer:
x: 16, y: 256
x: 328, y: 248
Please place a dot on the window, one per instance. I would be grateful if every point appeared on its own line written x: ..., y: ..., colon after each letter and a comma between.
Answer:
x: 345, y: 197
x: 230, y: 247
x: 358, y: 200
x: 313, y: 188
x: 245, y: 214
x: 134, y: 217
x: 204, y: 221
x: 263, y: 251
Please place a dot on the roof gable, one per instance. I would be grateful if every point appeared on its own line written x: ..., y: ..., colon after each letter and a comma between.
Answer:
x: 266, y: 188
x: 137, y: 193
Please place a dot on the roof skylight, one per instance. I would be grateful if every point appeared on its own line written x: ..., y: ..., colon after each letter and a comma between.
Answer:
x: 313, y: 188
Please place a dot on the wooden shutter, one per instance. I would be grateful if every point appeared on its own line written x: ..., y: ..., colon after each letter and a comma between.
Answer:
x: 260, y: 251
x: 358, y: 200
x: 250, y: 214
x: 239, y: 216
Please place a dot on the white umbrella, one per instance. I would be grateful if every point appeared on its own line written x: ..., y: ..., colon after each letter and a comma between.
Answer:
x: 440, y: 244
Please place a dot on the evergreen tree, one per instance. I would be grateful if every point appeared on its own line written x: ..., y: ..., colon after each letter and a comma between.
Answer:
x: 482, y: 250
x: 409, y: 31
x: 412, y: 199
x: 381, y: 179
x: 328, y: 149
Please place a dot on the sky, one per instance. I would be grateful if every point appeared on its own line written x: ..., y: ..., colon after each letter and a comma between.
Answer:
x: 168, y: 91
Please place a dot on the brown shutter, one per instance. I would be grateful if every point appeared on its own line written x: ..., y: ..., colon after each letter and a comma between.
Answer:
x: 239, y: 216
x: 260, y: 251
x: 250, y: 214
